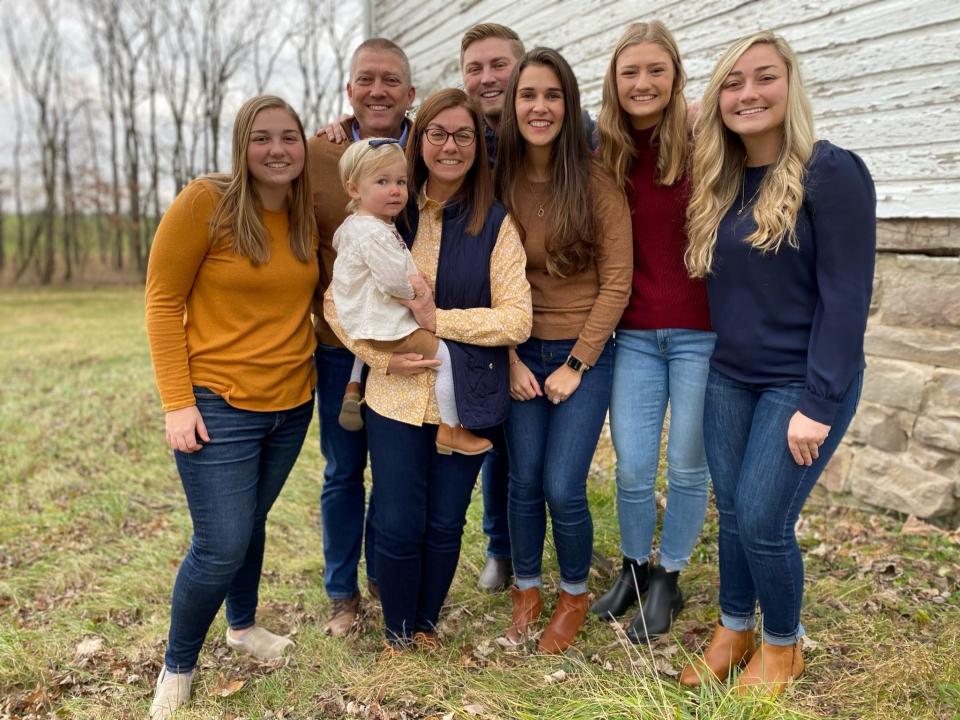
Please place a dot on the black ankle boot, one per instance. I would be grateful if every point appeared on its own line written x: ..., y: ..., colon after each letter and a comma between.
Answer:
x: 662, y: 604
x: 626, y: 591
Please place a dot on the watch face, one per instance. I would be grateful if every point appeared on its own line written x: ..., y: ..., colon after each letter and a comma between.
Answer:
x: 574, y: 363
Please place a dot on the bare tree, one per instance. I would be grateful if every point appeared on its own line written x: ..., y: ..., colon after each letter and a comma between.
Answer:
x: 101, y: 32
x: 324, y: 32
x: 174, y: 69
x: 218, y: 51
x: 38, y: 72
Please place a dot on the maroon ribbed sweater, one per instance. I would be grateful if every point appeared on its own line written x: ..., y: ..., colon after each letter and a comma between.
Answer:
x: 663, y: 295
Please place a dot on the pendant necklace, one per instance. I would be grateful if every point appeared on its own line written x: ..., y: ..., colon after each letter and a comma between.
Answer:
x: 538, y: 197
x: 744, y: 203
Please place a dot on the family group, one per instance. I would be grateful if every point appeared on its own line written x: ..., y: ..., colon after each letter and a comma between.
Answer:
x: 469, y: 292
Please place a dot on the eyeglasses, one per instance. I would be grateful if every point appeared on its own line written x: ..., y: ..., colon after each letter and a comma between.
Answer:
x: 438, y: 136
x: 379, y: 142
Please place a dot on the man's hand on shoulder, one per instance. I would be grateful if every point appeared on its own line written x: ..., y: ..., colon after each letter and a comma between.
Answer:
x: 334, y: 131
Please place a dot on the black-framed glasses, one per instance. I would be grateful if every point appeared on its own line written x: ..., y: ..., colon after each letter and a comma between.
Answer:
x: 379, y: 142
x: 438, y: 136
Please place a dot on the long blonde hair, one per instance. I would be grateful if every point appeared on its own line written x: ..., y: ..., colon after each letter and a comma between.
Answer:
x: 236, y: 219
x: 718, y: 165
x: 617, y: 151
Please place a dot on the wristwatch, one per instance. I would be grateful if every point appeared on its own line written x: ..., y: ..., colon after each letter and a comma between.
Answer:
x: 576, y: 364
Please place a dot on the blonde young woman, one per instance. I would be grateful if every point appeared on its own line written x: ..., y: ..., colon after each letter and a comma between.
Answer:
x: 664, y: 340
x: 783, y: 229
x: 232, y: 273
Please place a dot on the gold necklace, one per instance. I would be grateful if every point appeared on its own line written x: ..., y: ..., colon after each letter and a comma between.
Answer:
x: 538, y: 198
x: 744, y: 204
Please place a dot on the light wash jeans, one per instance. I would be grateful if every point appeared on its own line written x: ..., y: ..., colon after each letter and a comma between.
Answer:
x: 652, y: 368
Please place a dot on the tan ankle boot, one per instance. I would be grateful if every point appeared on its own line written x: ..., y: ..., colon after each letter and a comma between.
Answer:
x: 566, y: 622
x: 460, y: 440
x: 350, y: 417
x: 727, y: 649
x: 527, y: 607
x: 772, y: 668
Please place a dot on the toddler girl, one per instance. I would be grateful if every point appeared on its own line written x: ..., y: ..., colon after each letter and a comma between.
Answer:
x: 372, y: 271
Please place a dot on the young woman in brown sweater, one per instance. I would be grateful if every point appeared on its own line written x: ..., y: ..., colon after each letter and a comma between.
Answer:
x: 232, y: 274
x: 575, y: 226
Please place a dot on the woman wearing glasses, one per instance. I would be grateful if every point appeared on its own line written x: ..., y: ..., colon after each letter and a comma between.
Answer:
x: 471, y: 293
x: 575, y: 226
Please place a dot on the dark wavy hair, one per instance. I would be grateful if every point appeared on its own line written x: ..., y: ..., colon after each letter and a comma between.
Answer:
x: 476, y: 192
x: 571, y: 246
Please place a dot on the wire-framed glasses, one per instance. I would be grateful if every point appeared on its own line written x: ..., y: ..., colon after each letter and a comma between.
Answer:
x: 464, y: 137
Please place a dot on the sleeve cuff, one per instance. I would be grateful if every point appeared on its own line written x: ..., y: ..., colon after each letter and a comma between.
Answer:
x: 584, y: 353
x: 818, y: 408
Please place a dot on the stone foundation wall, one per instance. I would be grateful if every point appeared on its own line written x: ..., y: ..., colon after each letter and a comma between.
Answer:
x: 902, y: 451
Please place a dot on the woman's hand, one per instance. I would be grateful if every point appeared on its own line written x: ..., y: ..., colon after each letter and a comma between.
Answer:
x: 422, y: 306
x: 182, y: 428
x: 334, y: 131
x: 561, y: 384
x: 523, y: 384
x: 804, y: 438
x: 410, y: 364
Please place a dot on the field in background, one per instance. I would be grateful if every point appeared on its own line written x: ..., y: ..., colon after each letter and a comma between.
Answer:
x: 93, y: 524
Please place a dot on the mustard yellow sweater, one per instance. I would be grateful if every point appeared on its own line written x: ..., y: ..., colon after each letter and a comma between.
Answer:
x: 216, y: 320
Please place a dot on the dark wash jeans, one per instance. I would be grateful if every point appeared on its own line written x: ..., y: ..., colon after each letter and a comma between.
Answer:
x: 551, y: 448
x: 494, y: 482
x: 760, y: 492
x: 343, y: 497
x: 230, y: 484
x: 422, y: 500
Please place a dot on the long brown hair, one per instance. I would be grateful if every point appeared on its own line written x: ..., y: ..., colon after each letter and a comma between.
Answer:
x: 617, y: 152
x: 237, y: 219
x: 477, y: 188
x: 573, y: 224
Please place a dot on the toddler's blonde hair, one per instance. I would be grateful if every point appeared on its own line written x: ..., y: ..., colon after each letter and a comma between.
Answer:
x: 365, y: 157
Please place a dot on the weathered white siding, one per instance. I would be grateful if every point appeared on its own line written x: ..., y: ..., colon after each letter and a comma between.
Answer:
x: 884, y: 75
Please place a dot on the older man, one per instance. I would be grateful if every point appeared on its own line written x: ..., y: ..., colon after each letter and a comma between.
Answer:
x: 380, y: 92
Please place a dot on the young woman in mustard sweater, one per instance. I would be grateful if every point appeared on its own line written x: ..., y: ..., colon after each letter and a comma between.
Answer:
x: 231, y: 276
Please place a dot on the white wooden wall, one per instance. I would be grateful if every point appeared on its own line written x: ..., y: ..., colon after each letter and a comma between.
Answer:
x: 884, y: 75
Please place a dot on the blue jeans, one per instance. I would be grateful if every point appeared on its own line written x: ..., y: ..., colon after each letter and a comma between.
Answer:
x: 343, y: 498
x: 551, y: 447
x: 422, y: 500
x: 760, y: 492
x: 230, y: 484
x: 652, y: 367
x: 495, y: 481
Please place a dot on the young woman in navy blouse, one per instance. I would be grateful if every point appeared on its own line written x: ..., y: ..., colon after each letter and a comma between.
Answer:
x: 783, y: 229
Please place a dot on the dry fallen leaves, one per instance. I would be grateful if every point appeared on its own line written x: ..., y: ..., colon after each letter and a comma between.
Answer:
x: 222, y: 687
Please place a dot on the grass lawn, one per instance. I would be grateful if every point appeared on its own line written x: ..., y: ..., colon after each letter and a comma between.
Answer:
x: 93, y: 524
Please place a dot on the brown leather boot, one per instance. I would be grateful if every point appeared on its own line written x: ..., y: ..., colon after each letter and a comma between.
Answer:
x: 343, y: 613
x: 771, y: 669
x: 527, y: 607
x: 566, y: 622
x: 727, y: 649
x: 426, y: 641
x: 350, y: 417
x: 460, y: 440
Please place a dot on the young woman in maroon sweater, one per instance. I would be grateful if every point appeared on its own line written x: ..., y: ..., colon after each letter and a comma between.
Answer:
x: 664, y: 341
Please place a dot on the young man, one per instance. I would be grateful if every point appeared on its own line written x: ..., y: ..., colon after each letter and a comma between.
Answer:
x: 380, y: 91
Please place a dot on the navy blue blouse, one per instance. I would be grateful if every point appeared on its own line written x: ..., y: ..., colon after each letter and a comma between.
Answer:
x: 799, y: 315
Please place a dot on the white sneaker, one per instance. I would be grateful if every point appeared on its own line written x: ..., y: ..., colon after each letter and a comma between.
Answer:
x: 260, y: 643
x: 173, y: 691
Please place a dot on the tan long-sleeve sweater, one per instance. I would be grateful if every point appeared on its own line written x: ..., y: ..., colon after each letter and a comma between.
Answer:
x: 586, y: 306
